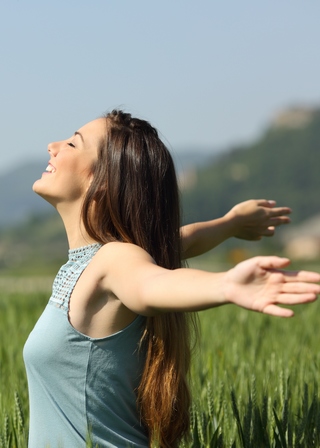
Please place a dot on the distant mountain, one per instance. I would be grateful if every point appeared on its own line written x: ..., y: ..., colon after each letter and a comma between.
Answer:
x: 32, y: 236
x: 192, y: 158
x: 18, y: 202
x: 37, y: 245
x: 284, y: 165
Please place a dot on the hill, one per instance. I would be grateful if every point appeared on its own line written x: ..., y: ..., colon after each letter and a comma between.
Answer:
x: 17, y: 200
x: 36, y: 246
x: 32, y: 236
x: 282, y: 165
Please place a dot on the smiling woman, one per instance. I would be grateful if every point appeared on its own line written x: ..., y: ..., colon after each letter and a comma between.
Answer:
x: 68, y: 174
x: 108, y: 359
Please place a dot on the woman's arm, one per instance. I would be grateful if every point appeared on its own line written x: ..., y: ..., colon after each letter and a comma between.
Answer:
x: 258, y: 284
x: 249, y: 220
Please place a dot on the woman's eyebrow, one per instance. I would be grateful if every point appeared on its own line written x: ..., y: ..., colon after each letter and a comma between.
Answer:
x: 78, y: 133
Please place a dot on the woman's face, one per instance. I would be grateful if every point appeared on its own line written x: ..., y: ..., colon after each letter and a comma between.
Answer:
x: 69, y: 172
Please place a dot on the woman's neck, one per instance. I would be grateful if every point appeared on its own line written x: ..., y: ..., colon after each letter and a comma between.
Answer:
x: 76, y: 234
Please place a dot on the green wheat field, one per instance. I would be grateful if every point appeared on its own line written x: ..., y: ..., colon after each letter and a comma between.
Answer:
x: 255, y: 379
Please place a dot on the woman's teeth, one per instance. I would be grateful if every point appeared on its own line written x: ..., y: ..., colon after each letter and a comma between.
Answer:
x: 50, y: 169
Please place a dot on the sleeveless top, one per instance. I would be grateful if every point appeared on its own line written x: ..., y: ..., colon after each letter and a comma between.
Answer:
x: 82, y: 389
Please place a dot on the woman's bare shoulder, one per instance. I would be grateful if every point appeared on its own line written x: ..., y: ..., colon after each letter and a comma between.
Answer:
x: 117, y: 249
x: 120, y: 260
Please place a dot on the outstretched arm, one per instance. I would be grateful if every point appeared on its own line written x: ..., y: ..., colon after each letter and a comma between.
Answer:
x: 258, y: 284
x: 249, y: 220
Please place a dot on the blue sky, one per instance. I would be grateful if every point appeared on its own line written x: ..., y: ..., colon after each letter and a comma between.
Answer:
x: 206, y: 73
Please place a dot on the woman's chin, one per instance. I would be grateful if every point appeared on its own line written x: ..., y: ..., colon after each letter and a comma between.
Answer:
x: 36, y: 187
x: 39, y: 189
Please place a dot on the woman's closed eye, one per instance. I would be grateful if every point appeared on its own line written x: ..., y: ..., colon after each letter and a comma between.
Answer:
x: 71, y: 144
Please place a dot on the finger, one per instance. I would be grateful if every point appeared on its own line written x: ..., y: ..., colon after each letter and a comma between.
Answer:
x: 297, y: 299
x: 278, y: 221
x: 280, y: 210
x: 269, y: 228
x: 278, y: 217
x: 300, y: 288
x: 269, y: 231
x: 274, y: 211
x: 258, y: 232
x: 275, y: 310
x: 266, y: 203
x: 301, y: 276
x: 273, y: 263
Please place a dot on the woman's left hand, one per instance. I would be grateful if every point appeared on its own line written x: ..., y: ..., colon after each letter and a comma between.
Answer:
x: 260, y: 284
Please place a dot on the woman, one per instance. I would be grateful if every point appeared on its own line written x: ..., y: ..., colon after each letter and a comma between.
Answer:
x: 109, y: 357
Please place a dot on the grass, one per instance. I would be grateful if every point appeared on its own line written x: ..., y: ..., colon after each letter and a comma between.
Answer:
x: 18, y: 313
x: 255, y: 379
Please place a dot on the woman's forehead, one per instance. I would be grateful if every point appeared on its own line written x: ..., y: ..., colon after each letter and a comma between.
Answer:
x: 95, y: 126
x: 93, y: 131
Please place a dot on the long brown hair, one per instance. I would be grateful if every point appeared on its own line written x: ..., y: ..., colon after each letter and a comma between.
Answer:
x: 134, y: 198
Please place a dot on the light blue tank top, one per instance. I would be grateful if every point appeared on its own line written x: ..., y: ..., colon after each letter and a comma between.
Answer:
x: 80, y: 385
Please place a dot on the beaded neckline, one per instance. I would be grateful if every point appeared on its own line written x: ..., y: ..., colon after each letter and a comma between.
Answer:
x: 79, y: 252
x: 69, y: 274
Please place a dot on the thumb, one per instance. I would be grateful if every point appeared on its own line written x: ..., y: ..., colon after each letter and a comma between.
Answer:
x: 273, y: 262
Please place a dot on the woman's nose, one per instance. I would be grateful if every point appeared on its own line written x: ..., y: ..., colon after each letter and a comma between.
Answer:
x: 53, y: 148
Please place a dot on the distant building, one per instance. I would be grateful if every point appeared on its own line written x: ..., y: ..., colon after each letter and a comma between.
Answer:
x: 302, y: 242
x: 293, y: 118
